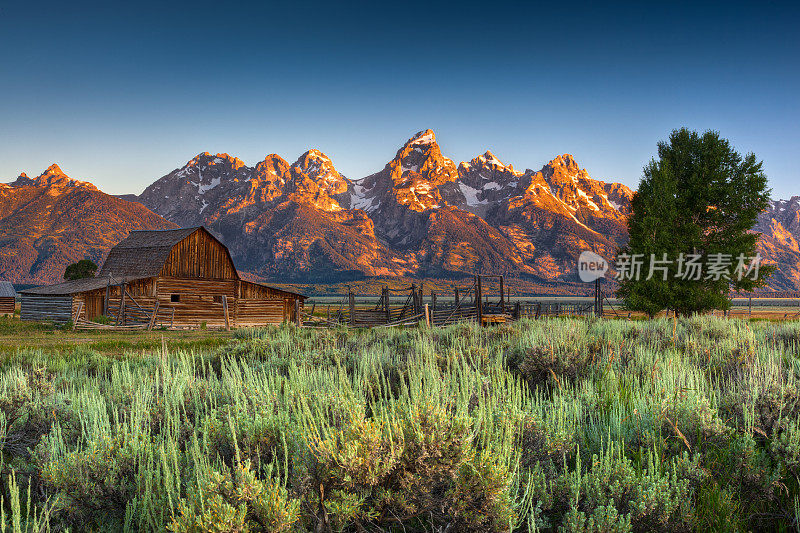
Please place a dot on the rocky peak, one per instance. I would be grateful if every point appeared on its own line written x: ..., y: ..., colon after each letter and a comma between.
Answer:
x: 316, y: 181
x: 784, y: 212
x: 422, y: 137
x: 273, y: 168
x: 21, y: 180
x: 566, y: 162
x: 53, y: 178
x: 581, y: 195
x: 483, y: 181
x: 318, y: 167
x: 205, y: 160
x: 489, y: 161
x: 206, y: 171
x: 54, y: 170
x: 417, y: 171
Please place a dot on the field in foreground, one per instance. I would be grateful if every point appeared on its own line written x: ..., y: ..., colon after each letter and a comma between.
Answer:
x: 569, y: 425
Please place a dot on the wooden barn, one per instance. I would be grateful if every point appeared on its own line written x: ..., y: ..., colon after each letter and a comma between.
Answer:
x: 173, y: 278
x: 8, y: 298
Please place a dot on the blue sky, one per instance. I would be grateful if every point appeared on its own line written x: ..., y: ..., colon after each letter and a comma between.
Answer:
x: 121, y: 95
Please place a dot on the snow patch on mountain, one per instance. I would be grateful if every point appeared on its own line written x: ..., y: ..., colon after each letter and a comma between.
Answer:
x: 588, y: 200
x: 202, y: 188
x: 471, y: 195
x: 426, y: 137
x: 360, y: 200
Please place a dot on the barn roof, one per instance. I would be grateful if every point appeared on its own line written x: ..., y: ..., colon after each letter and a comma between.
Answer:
x: 142, y: 254
x: 7, y: 290
x: 75, y: 286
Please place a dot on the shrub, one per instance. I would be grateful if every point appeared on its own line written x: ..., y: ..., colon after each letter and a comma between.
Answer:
x: 226, y: 502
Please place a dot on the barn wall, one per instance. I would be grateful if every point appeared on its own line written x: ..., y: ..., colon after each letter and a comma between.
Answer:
x: 250, y: 290
x: 253, y: 295
x: 56, y: 308
x: 199, y: 256
x: 92, y: 303
x: 200, y: 300
x: 7, y: 305
x: 258, y: 312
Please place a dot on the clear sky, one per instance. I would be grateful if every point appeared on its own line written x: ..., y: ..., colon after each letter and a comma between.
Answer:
x: 122, y: 94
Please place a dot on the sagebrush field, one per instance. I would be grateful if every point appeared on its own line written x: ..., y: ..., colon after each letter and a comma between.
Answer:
x: 554, y: 425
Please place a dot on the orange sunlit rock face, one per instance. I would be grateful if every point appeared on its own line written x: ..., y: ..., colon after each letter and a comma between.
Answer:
x: 421, y: 215
x: 780, y: 232
x: 52, y: 221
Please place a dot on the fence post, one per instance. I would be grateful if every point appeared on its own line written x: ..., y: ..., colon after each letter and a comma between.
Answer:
x: 502, y: 296
x: 77, y: 315
x: 155, y: 316
x: 225, y: 311
x: 427, y: 316
x: 108, y: 295
x: 456, y: 292
x: 386, y: 305
x: 121, y: 312
x: 516, y: 310
x: 352, y: 309
x: 298, y: 319
x: 479, y: 300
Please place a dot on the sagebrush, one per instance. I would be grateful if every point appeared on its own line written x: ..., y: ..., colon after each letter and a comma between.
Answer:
x: 552, y: 425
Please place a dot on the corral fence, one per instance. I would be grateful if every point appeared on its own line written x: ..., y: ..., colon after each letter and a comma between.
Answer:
x: 481, y: 299
x: 486, y: 300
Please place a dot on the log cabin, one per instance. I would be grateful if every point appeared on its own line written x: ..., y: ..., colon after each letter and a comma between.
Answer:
x: 172, y: 278
x: 8, y: 298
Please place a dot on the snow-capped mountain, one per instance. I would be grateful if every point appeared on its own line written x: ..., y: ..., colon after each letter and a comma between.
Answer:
x: 483, y: 182
x: 779, y: 226
x: 421, y: 215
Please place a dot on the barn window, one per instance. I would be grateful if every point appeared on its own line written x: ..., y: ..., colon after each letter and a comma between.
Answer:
x: 218, y: 299
x: 175, y: 298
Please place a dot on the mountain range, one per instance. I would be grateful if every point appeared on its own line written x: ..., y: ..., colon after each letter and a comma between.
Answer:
x: 422, y: 215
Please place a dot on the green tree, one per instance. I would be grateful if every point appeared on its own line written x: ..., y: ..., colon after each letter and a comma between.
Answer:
x: 84, y: 268
x: 697, y: 202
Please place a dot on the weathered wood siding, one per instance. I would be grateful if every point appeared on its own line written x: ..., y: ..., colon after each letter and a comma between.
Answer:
x: 56, y: 308
x: 7, y: 305
x: 199, y: 256
x: 92, y: 304
x: 199, y: 300
x: 250, y: 290
x: 252, y: 312
x: 252, y: 296
x: 194, y: 284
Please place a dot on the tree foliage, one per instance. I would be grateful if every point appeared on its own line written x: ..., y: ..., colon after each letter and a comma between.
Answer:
x: 699, y: 198
x: 85, y: 268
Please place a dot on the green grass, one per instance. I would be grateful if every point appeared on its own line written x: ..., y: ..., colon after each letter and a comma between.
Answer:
x: 554, y: 425
x: 16, y: 335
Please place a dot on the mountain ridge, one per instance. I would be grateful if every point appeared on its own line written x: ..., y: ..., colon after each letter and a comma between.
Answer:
x: 50, y: 221
x: 422, y: 215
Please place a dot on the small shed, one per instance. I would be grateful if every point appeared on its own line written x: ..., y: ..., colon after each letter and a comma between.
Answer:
x: 177, y: 278
x: 8, y: 298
